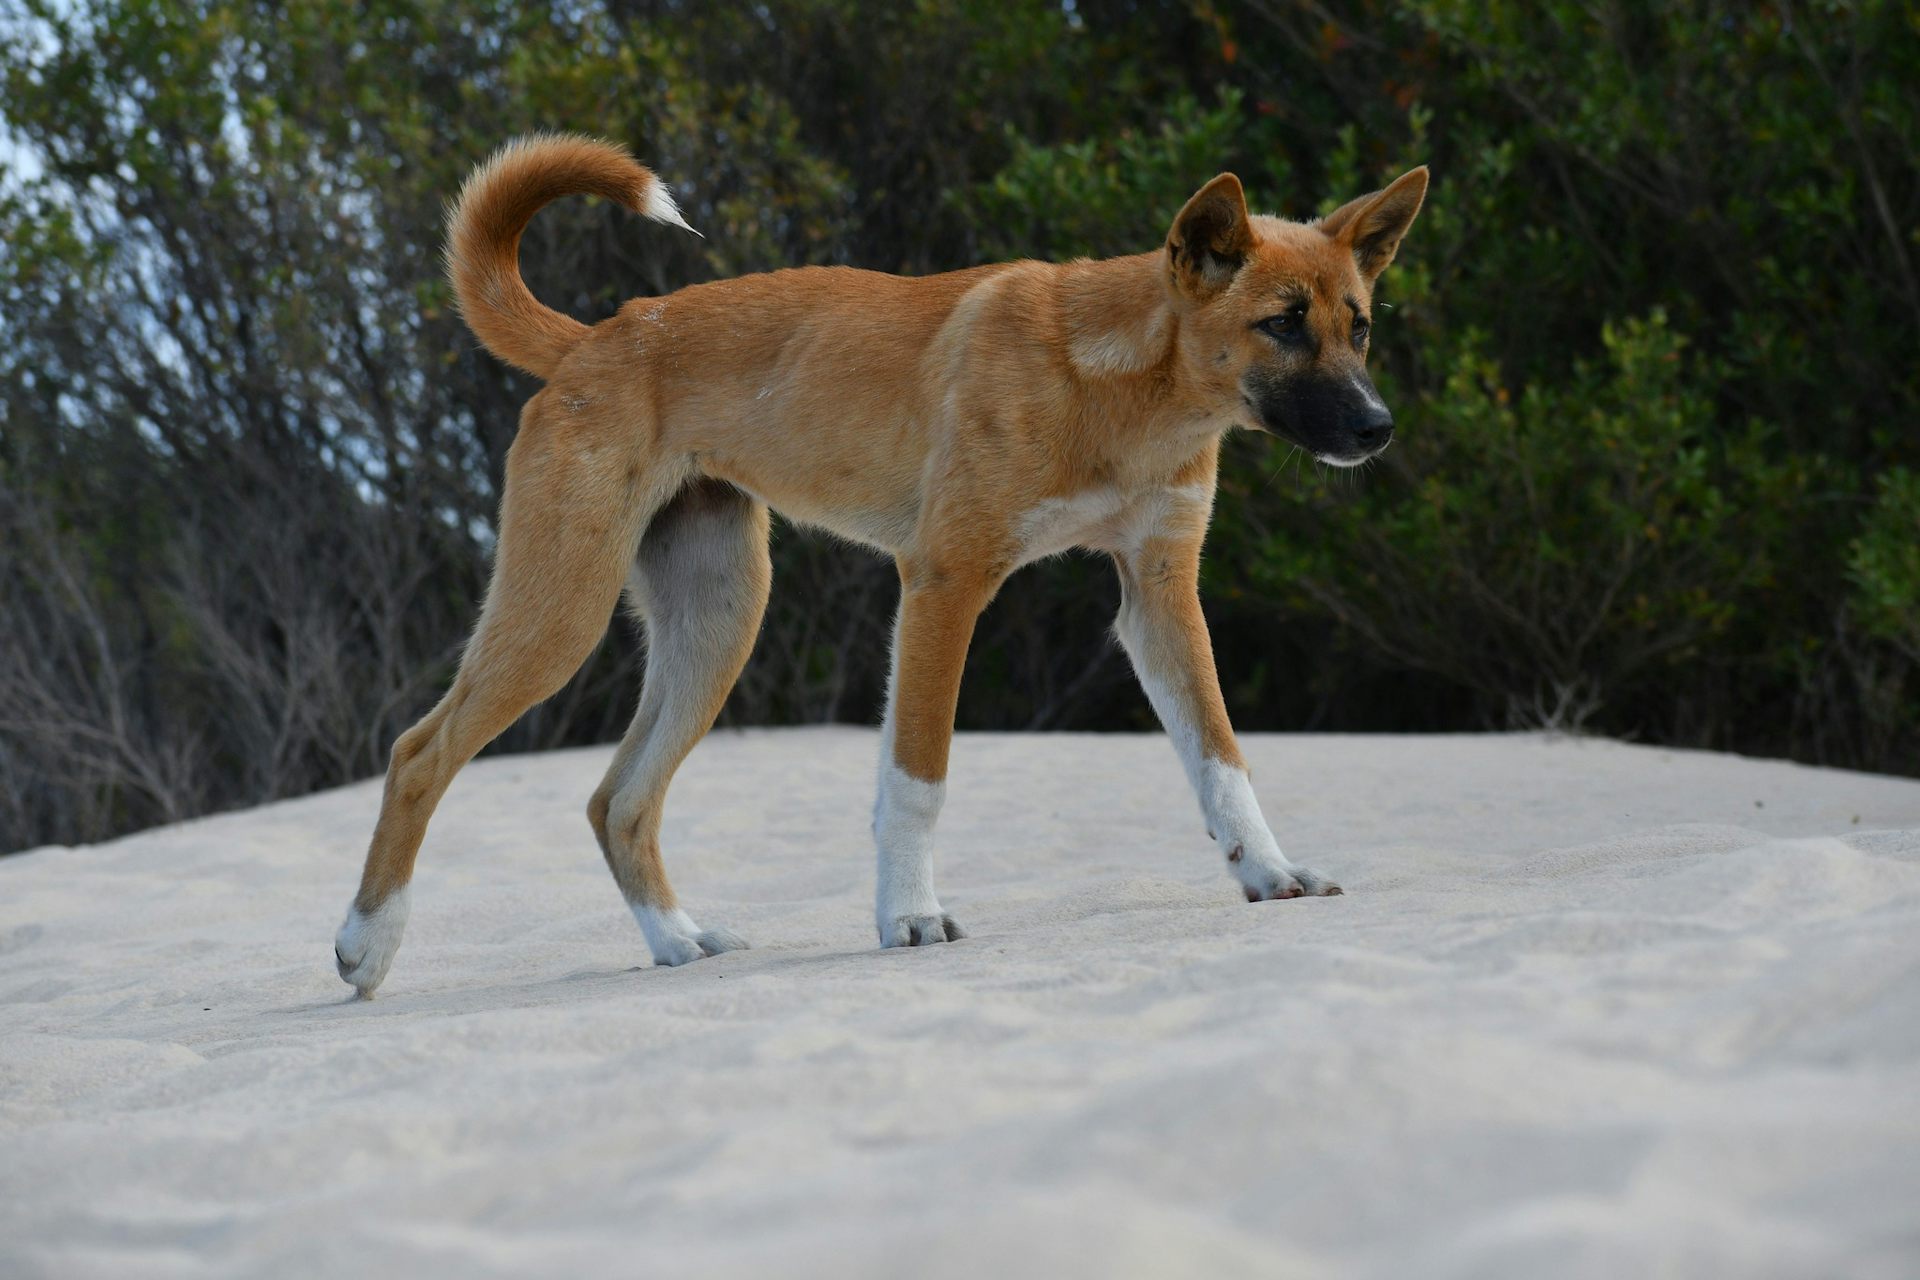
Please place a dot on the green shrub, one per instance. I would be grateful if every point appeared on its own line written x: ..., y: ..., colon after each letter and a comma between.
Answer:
x: 1883, y: 563
x: 1556, y: 547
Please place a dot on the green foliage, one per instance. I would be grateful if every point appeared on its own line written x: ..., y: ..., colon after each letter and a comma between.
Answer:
x: 1554, y: 547
x: 1113, y: 194
x: 1748, y: 165
x: 1884, y: 562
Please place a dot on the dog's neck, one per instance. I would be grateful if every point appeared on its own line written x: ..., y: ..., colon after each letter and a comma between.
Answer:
x: 1117, y: 319
x: 1122, y: 332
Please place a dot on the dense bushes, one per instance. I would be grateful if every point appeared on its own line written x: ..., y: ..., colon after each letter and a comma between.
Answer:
x: 1556, y: 547
x: 1651, y: 349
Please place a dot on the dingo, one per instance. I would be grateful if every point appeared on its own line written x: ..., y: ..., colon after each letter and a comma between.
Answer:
x: 966, y: 424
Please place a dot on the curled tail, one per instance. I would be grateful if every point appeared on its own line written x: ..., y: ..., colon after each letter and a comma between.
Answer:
x: 483, y: 237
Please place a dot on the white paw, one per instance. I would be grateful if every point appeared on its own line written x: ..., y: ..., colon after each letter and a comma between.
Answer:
x: 1267, y: 878
x: 920, y: 930
x: 675, y: 939
x: 365, y: 946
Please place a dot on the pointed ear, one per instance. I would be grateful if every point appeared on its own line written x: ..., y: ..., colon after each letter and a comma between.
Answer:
x: 1210, y: 239
x: 1373, y: 225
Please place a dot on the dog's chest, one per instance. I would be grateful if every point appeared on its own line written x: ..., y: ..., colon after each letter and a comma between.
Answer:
x: 1103, y: 519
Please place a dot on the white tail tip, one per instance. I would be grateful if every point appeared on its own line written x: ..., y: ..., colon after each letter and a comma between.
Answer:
x: 661, y: 208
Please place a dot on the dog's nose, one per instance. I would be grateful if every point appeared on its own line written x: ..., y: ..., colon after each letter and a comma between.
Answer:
x: 1373, y: 428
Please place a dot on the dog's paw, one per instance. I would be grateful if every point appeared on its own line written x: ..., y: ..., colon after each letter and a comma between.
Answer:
x: 1315, y: 884
x: 364, y: 948
x: 675, y: 939
x: 920, y: 931
x: 1268, y: 881
x: 675, y: 951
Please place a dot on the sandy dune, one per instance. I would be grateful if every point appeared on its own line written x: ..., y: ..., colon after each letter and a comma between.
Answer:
x: 1585, y: 1010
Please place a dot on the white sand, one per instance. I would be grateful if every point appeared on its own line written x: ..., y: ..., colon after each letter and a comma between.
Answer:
x: 1586, y: 1010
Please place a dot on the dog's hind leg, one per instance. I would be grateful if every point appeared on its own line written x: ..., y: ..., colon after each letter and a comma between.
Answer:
x: 700, y: 580
x: 570, y: 518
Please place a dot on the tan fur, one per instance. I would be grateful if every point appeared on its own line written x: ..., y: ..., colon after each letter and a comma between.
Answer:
x: 1160, y: 577
x: 964, y: 423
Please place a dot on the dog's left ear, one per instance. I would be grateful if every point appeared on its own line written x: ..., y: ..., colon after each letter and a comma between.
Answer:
x: 1373, y: 225
x: 1210, y: 239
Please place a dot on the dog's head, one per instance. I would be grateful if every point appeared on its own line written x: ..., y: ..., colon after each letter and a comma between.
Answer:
x: 1277, y: 314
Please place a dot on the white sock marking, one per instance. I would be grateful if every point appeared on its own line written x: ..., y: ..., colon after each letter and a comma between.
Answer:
x: 904, y: 814
x: 905, y: 810
x: 366, y: 944
x: 674, y: 939
x: 670, y: 934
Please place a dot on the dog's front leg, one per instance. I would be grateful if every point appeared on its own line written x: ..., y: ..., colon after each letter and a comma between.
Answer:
x: 1165, y: 634
x: 930, y: 640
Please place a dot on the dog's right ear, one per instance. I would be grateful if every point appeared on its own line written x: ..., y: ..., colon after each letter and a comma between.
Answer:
x: 1210, y: 239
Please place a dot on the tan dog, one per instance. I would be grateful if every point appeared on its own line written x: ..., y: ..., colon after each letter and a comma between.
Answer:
x: 965, y: 423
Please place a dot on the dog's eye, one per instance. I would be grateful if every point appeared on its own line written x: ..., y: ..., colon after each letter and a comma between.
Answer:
x: 1360, y: 328
x: 1288, y: 326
